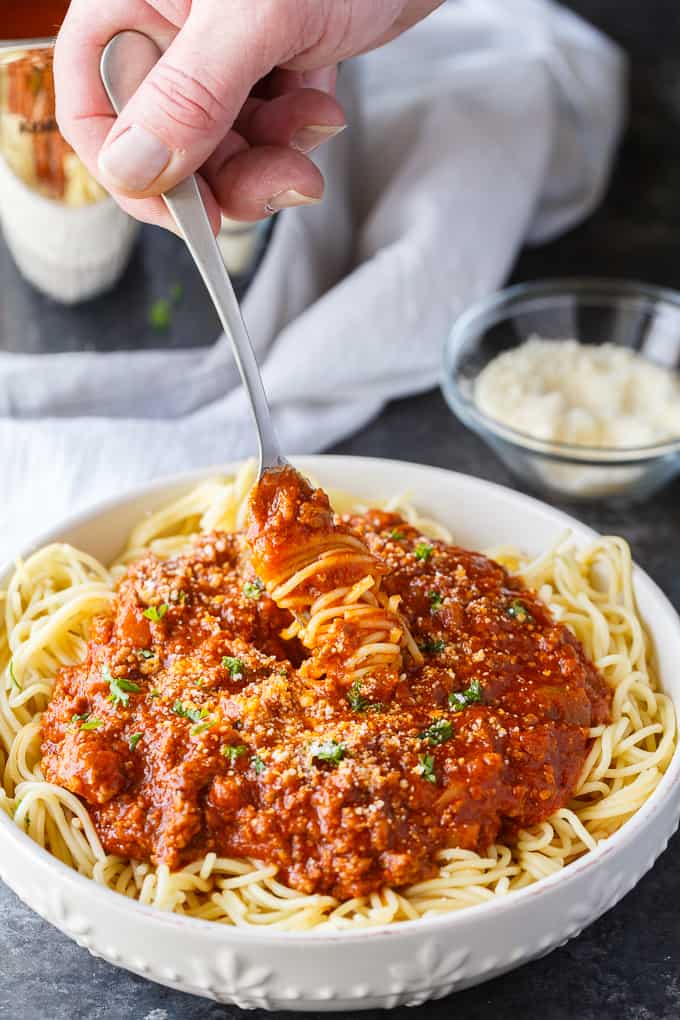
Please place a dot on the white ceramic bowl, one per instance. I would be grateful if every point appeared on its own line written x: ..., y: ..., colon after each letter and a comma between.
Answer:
x: 399, y: 964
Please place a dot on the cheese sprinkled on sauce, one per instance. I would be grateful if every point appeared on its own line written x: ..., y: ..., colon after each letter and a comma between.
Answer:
x: 585, y: 394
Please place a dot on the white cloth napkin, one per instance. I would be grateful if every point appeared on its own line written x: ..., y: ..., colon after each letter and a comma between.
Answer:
x: 489, y: 125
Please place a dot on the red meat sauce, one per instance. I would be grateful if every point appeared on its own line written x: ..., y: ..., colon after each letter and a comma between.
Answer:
x: 201, y: 729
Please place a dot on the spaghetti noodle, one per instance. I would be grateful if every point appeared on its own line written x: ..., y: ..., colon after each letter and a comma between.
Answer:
x: 326, y: 576
x: 48, y: 609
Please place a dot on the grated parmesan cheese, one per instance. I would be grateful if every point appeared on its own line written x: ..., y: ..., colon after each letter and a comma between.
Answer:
x: 585, y: 394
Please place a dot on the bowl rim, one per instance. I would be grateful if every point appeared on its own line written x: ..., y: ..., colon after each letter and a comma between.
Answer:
x: 574, y: 453
x: 106, y: 897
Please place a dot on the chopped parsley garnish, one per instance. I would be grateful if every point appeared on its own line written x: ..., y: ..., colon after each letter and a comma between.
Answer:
x: 145, y: 653
x: 233, y: 751
x: 13, y: 676
x: 426, y: 768
x: 82, y: 719
x: 120, y: 688
x: 397, y: 536
x: 235, y: 666
x: 91, y: 724
x: 359, y: 702
x: 134, y: 740
x: 436, y: 600
x: 519, y: 612
x: 199, y: 716
x: 253, y: 589
x: 258, y: 764
x: 438, y: 732
x: 160, y: 314
x: 201, y: 727
x: 156, y: 613
x: 459, y: 700
x: 356, y: 700
x: 195, y: 715
x: 329, y: 751
x: 423, y: 551
x: 433, y: 645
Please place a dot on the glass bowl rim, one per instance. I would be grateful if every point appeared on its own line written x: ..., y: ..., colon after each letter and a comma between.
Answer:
x: 607, y: 289
x: 42, y: 43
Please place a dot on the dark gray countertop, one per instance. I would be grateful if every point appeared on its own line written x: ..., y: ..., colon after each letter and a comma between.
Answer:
x: 627, y: 965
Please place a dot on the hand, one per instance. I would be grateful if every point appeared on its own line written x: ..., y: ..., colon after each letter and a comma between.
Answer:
x: 244, y: 90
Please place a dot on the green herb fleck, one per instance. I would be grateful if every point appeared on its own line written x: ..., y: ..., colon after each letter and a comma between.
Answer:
x: 436, y: 601
x: 519, y: 612
x: 426, y: 768
x: 233, y: 751
x: 145, y: 653
x: 201, y: 727
x: 91, y: 724
x: 155, y: 693
x: 433, y: 646
x: 330, y: 751
x: 160, y: 314
x: 83, y: 720
x: 423, y: 551
x: 438, y: 732
x: 120, y: 688
x: 195, y: 715
x: 235, y: 666
x: 156, y: 613
x: 258, y: 764
x: 253, y: 589
x: 397, y: 536
x: 134, y: 740
x: 13, y: 676
x: 459, y: 700
x: 357, y: 701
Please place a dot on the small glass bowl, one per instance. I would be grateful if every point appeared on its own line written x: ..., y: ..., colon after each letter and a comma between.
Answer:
x: 592, y: 311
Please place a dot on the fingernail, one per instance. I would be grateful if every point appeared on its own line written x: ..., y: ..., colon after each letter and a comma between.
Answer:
x: 287, y: 199
x: 313, y: 135
x: 134, y: 159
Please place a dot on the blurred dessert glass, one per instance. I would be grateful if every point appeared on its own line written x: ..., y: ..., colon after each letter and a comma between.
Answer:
x: 67, y: 236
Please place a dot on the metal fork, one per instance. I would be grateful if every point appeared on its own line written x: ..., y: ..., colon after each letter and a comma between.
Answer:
x: 125, y: 62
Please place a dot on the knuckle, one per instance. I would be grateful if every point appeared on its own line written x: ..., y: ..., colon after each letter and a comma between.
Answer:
x: 292, y: 27
x: 184, y: 99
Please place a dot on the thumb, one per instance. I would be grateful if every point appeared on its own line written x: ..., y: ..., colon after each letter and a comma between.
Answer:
x: 185, y: 106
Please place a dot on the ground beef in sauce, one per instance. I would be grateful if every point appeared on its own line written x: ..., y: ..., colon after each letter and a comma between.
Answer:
x: 191, y: 728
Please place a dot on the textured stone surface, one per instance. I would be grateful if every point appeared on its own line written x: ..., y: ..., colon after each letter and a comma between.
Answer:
x: 625, y: 967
